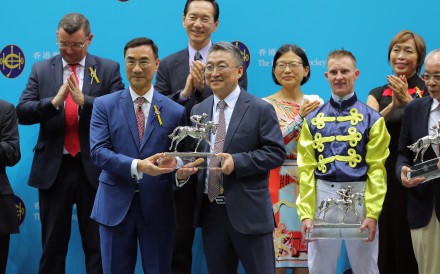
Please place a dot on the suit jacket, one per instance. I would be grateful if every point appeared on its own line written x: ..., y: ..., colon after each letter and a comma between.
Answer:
x: 35, y: 107
x: 114, y: 144
x: 426, y: 196
x: 255, y: 141
x: 171, y: 78
x: 9, y: 156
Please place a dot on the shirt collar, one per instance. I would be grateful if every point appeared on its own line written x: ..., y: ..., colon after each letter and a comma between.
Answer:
x: 148, y: 96
x: 345, y: 98
x: 81, y: 63
x: 231, y: 99
x: 435, y: 104
x: 203, y: 52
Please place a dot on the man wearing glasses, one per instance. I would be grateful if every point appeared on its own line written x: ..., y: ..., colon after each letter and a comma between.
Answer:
x: 233, y: 205
x: 180, y: 76
x: 423, y: 197
x: 134, y: 203
x: 59, y: 96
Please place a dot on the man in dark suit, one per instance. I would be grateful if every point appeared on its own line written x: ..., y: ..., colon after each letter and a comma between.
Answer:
x: 180, y: 76
x: 9, y: 156
x: 59, y: 96
x: 134, y: 201
x: 419, y: 117
x: 235, y: 210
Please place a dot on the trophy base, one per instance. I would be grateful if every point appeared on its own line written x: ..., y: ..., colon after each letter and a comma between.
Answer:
x: 427, y: 170
x: 188, y: 157
x: 336, y: 231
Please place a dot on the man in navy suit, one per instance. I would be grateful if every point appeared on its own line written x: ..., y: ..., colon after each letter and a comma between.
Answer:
x: 134, y: 202
x: 423, y: 197
x: 237, y: 222
x: 180, y: 76
x: 59, y: 96
x: 9, y: 156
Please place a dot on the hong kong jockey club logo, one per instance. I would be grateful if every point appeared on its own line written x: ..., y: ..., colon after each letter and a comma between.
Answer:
x: 244, y: 52
x: 12, y: 61
x: 21, y: 209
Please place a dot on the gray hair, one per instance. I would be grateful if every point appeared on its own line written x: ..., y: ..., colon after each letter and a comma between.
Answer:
x: 73, y: 22
x: 230, y: 48
x: 432, y: 52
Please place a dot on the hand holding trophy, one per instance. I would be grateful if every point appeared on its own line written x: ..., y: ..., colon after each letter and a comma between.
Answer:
x: 426, y: 169
x: 199, y: 132
x: 340, y: 212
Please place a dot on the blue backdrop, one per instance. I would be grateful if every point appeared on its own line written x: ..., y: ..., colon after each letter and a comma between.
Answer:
x: 28, y: 36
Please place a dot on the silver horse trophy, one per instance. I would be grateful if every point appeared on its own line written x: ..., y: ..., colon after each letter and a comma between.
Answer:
x: 201, y: 131
x: 339, y: 216
x: 427, y: 169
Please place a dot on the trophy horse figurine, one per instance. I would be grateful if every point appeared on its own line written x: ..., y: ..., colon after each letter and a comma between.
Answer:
x: 422, y: 144
x: 346, y: 202
x: 201, y: 131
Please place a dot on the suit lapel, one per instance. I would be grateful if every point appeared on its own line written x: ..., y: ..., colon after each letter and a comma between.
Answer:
x: 237, y: 116
x: 422, y: 125
x: 426, y: 111
x: 182, y: 66
x: 90, y: 63
x: 57, y: 72
x: 128, y: 109
x: 206, y: 107
x: 152, y: 121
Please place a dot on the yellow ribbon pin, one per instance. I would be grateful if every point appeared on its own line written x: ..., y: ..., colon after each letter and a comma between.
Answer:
x: 94, y: 76
x: 418, y: 92
x: 157, y: 112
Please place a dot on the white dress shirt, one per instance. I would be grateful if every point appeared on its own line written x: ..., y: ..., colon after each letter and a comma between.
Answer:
x: 230, y: 100
x: 434, y: 119
x: 146, y: 109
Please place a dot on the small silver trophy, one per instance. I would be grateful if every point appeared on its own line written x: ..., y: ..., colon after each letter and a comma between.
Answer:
x: 339, y: 213
x: 427, y: 169
x: 200, y: 132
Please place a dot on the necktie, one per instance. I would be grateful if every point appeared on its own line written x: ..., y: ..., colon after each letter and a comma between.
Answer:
x: 198, y: 56
x: 71, y: 137
x: 215, y: 176
x: 140, y: 118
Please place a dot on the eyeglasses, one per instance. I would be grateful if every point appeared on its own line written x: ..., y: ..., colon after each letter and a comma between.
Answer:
x: 63, y: 45
x: 203, y: 20
x: 291, y: 65
x: 220, y: 68
x: 131, y: 63
x: 428, y: 77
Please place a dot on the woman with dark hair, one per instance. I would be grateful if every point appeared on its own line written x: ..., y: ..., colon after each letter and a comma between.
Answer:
x: 406, y: 54
x: 290, y: 70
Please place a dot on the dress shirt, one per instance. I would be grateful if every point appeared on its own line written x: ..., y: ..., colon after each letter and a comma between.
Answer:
x: 203, y: 52
x: 434, y: 119
x: 339, y: 99
x: 230, y: 100
x: 79, y: 73
x: 146, y: 109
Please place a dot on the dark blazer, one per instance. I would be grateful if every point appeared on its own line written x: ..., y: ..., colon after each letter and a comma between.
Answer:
x: 115, y: 143
x: 9, y: 156
x: 420, y: 198
x: 35, y: 107
x: 171, y: 78
x: 255, y: 141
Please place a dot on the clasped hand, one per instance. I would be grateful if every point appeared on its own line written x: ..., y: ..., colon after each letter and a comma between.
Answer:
x: 70, y: 86
x: 399, y: 86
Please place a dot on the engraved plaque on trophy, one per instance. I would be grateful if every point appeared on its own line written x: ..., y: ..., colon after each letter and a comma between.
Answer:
x: 339, y: 213
x: 426, y: 169
x: 201, y: 132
